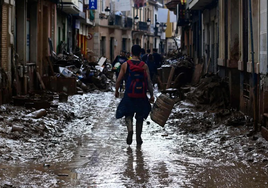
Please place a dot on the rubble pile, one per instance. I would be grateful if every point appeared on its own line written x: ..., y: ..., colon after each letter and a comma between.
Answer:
x: 211, y: 93
x: 21, y: 123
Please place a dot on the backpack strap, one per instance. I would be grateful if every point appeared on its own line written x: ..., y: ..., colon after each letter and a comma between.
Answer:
x: 140, y: 64
x: 136, y: 67
x: 130, y: 62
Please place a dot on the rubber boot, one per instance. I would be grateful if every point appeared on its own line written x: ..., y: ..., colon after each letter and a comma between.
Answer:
x: 138, y: 132
x: 129, y: 123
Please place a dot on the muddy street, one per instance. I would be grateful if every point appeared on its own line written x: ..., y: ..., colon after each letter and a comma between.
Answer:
x: 194, y: 149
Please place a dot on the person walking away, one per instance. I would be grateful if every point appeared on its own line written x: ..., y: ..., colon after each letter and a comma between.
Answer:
x: 142, y: 53
x: 152, y: 67
x: 135, y: 100
x: 157, y: 58
x: 144, y: 58
x: 119, y: 59
x: 128, y: 56
x: 117, y: 63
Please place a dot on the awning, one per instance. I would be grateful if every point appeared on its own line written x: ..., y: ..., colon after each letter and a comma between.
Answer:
x: 172, y: 5
x: 199, y: 4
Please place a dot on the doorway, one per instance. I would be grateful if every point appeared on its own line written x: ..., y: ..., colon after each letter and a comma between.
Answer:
x: 112, y: 49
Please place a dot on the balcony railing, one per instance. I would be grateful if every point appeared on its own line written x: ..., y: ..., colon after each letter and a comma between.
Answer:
x: 121, y: 21
x: 143, y: 26
x: 116, y: 20
x: 128, y: 23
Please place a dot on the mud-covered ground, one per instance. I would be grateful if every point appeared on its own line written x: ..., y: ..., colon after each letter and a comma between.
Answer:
x: 81, y: 144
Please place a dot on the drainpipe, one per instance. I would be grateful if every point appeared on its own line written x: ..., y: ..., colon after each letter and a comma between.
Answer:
x: 254, y: 83
x: 200, y: 35
x: 267, y: 35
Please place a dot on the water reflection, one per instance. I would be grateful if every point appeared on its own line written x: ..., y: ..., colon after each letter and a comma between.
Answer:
x: 163, y: 175
x: 137, y: 171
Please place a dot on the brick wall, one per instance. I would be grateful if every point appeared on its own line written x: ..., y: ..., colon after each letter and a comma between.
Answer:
x: 4, y: 51
x: 4, y: 38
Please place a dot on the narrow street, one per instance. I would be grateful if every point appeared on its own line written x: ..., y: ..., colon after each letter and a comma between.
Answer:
x: 194, y: 149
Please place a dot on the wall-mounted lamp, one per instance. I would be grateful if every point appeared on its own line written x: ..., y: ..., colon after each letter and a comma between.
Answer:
x: 148, y: 21
x: 106, y: 14
x: 107, y: 11
x: 157, y: 24
x: 136, y: 19
x: 165, y: 27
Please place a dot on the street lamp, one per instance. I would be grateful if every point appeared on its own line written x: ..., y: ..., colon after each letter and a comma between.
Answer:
x: 148, y: 21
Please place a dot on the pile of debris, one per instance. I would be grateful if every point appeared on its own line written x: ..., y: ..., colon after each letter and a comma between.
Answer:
x: 88, y: 76
x: 66, y: 74
x: 176, y: 72
x: 75, y: 73
x: 212, y: 93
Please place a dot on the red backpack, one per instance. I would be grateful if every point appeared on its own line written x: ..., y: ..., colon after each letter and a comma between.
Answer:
x: 136, y: 84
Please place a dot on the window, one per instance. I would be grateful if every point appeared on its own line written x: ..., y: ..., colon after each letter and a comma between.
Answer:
x: 102, y: 46
x: 103, y: 6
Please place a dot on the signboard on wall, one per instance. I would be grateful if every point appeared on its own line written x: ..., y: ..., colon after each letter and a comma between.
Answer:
x: 122, y: 5
x: 92, y: 4
x: 90, y: 36
x: 77, y: 24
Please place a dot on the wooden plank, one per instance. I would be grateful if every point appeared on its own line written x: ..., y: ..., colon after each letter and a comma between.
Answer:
x: 171, y: 74
x: 209, y: 60
x: 51, y: 66
x: 197, y: 73
x: 15, y: 82
x: 176, y: 83
x: 264, y: 133
x: 40, y: 79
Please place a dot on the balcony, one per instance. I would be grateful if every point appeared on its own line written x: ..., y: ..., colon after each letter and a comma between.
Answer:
x: 70, y: 6
x: 142, y: 26
x: 128, y: 23
x: 198, y: 4
x: 120, y: 21
x: 89, y: 17
x: 116, y: 20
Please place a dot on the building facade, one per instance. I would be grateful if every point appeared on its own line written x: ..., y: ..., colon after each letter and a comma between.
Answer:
x: 7, y: 49
x: 230, y: 38
x: 33, y: 31
x: 111, y: 32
